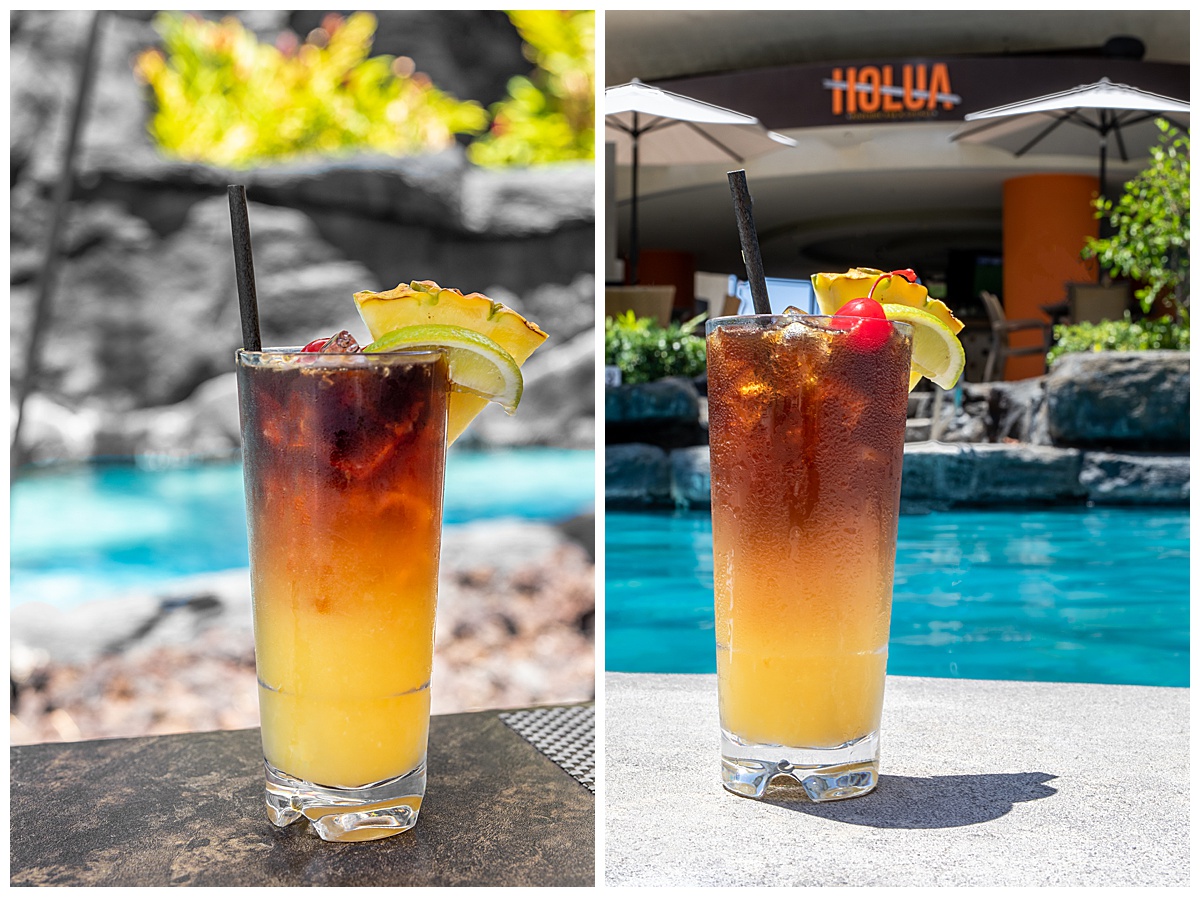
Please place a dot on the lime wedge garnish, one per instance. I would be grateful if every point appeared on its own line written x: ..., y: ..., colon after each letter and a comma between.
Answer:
x: 937, y: 353
x: 477, y: 364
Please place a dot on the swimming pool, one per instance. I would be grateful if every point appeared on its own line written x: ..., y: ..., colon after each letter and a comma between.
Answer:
x: 1071, y: 595
x: 91, y: 532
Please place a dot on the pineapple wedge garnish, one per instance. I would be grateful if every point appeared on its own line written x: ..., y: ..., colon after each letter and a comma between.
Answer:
x: 424, y: 302
x: 835, y: 290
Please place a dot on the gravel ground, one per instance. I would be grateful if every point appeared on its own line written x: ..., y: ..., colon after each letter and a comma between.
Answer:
x: 509, y: 635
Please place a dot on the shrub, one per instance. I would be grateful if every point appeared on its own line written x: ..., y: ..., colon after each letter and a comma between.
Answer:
x: 1151, y: 224
x: 549, y: 116
x: 1120, y: 336
x: 225, y: 99
x: 645, y: 351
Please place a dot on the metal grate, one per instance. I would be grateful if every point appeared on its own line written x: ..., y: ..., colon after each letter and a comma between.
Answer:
x: 567, y: 735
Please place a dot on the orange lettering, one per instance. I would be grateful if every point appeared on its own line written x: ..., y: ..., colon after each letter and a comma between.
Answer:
x: 869, y: 75
x: 851, y: 91
x: 939, y: 82
x: 891, y: 103
x: 913, y: 103
x: 837, y: 92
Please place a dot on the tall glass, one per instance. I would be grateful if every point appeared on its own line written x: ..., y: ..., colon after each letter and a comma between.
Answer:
x: 806, y: 429
x: 344, y: 457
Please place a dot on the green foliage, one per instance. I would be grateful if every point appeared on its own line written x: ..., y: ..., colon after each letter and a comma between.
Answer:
x: 1152, y: 225
x: 1120, y: 336
x: 645, y: 351
x: 549, y: 116
x: 225, y: 99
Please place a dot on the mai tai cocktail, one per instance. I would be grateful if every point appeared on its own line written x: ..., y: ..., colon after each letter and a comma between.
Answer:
x: 806, y: 428
x: 344, y: 461
x: 344, y: 457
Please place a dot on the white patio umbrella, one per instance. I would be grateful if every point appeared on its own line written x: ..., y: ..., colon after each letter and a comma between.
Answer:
x: 685, y: 132
x: 1102, y: 109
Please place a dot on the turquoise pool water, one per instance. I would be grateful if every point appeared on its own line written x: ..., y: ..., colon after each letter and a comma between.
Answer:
x: 1076, y: 595
x: 89, y: 532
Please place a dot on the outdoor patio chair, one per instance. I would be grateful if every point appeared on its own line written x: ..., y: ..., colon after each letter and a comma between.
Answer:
x: 1002, y: 328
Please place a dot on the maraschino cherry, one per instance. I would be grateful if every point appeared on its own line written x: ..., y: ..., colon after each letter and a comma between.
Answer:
x: 317, y: 345
x: 864, y: 317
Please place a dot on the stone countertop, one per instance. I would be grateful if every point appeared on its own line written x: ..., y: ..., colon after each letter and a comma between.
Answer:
x: 188, y: 810
x: 982, y: 783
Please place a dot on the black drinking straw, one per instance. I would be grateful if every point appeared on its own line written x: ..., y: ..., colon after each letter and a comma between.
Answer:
x: 243, y: 263
x: 742, y: 207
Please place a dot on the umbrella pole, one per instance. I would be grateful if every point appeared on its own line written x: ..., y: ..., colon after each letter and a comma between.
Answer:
x: 1103, y: 165
x: 1104, y: 226
x: 633, y: 210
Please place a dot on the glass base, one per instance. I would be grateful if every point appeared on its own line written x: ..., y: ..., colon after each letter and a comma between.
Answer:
x: 848, y: 770
x: 373, y: 811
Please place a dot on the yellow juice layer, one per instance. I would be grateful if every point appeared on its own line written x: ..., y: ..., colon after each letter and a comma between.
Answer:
x: 342, y: 741
x: 344, y: 616
x: 809, y: 701
x: 801, y: 640
x: 344, y: 677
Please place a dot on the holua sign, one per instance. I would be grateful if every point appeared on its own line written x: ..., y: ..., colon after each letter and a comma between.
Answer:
x: 913, y: 89
x: 868, y: 92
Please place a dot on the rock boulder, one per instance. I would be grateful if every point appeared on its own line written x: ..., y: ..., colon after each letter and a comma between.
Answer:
x: 691, y: 477
x: 145, y: 307
x: 1134, y: 400
x: 938, y: 474
x: 666, y: 413
x: 636, y: 475
x: 1136, y: 478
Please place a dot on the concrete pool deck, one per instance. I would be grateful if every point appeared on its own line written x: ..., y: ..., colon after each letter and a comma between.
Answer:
x: 982, y: 783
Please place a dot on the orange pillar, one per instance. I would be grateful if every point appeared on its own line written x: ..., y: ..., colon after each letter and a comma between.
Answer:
x: 1046, y: 219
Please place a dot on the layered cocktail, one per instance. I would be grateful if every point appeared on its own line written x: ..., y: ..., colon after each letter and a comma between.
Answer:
x: 344, y: 457
x: 344, y: 461
x: 807, y: 439
x: 806, y: 426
